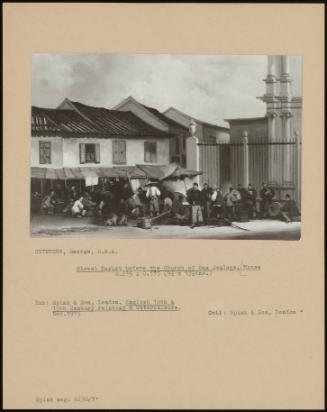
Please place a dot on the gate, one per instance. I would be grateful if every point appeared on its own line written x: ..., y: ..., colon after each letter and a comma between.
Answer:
x: 277, y: 163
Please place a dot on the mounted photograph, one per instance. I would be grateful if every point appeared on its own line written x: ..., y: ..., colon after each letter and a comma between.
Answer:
x: 166, y: 146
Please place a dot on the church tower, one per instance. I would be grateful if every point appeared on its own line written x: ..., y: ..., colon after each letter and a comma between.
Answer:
x: 279, y: 112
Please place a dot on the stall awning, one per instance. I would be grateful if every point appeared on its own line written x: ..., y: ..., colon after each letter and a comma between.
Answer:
x: 164, y: 172
x: 82, y: 173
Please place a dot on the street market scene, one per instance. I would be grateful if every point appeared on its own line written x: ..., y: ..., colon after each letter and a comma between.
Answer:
x: 133, y: 171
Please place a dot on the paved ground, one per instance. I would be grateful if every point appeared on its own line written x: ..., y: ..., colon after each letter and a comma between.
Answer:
x: 59, y: 226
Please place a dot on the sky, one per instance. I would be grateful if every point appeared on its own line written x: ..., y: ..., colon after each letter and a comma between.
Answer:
x: 208, y: 87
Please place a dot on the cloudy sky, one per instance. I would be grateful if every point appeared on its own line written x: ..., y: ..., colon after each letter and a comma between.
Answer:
x: 208, y: 87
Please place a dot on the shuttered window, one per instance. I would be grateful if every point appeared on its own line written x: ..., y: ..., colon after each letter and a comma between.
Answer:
x: 97, y: 153
x: 119, y: 152
x: 45, y: 152
x: 150, y: 152
x: 89, y: 152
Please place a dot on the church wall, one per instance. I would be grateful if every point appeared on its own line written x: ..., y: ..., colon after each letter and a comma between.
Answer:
x: 257, y: 130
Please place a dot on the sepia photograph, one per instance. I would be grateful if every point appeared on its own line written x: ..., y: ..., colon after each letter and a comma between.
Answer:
x: 163, y: 206
x: 166, y: 146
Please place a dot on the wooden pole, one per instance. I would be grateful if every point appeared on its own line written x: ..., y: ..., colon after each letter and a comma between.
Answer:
x: 245, y: 159
x: 298, y: 171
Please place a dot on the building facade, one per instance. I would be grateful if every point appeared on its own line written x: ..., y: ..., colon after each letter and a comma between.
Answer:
x: 260, y: 149
x: 179, y: 132
x: 80, y: 142
x: 212, y: 163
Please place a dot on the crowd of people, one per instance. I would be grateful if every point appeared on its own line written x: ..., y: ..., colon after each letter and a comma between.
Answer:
x: 211, y: 204
x: 117, y: 202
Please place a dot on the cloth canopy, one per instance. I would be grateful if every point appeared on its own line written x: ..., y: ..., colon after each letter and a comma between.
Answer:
x: 91, y: 174
x: 86, y: 173
x: 171, y: 171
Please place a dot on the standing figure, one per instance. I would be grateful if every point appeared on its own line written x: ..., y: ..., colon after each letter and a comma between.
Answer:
x: 206, y: 193
x: 266, y: 194
x: 180, y: 211
x: 230, y: 199
x: 107, y: 203
x: 242, y: 192
x: 252, y: 196
x: 125, y: 204
x: 152, y: 195
x: 217, y: 202
x: 194, y: 197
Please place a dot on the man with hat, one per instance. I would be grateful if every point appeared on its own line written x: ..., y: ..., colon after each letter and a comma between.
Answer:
x: 217, y: 202
x: 152, y: 195
x: 266, y: 194
x: 206, y: 201
x: 194, y: 196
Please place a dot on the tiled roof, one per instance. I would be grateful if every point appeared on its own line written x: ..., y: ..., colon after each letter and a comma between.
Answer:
x: 82, y: 120
x: 166, y: 119
x: 62, y: 122
x: 115, y: 122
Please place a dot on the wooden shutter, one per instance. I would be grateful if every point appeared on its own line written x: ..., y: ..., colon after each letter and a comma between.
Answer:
x: 150, y: 152
x: 122, y: 151
x: 82, y: 152
x: 45, y: 152
x: 115, y: 152
x: 153, y: 151
x: 146, y: 152
x: 119, y: 152
x: 97, y: 153
x: 177, y: 145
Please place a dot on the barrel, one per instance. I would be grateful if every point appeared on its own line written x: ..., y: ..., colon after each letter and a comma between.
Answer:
x: 146, y: 223
x: 274, y: 209
x: 242, y: 213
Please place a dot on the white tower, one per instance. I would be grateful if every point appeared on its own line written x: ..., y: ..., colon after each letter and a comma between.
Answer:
x: 278, y: 99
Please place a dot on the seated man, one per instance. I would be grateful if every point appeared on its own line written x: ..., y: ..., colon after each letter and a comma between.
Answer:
x: 89, y: 205
x: 139, y: 203
x: 71, y: 195
x: 48, y: 203
x: 289, y: 209
x: 180, y: 211
x: 167, y: 198
x: 78, y: 208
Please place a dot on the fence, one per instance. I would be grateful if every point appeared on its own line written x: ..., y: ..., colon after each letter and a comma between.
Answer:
x: 278, y: 163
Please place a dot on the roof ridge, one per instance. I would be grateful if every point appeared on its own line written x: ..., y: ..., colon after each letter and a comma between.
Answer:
x: 82, y: 114
x: 195, y: 118
x: 147, y: 108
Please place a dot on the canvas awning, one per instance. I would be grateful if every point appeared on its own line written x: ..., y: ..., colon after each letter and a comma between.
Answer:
x: 82, y: 173
x: 181, y: 173
x: 164, y: 172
